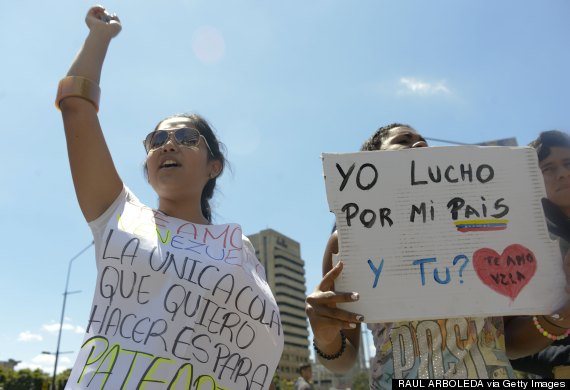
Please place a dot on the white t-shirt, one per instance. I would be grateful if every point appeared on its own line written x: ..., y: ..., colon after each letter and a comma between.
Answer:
x: 177, y: 305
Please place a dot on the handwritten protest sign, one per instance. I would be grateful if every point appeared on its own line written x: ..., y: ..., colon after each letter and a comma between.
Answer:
x: 443, y: 232
x: 177, y: 305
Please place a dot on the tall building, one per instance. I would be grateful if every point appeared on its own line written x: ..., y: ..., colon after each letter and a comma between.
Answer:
x: 281, y: 257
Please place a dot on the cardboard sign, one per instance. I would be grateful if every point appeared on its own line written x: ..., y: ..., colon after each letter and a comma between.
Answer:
x: 443, y: 232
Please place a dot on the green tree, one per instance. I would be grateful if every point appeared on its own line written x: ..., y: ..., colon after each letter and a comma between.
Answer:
x: 27, y: 379
x: 282, y: 384
x: 360, y: 381
x: 61, y: 378
x: 6, y: 376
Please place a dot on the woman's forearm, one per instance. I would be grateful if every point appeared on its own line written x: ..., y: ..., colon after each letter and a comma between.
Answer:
x: 522, y: 338
x: 97, y: 183
x: 102, y: 28
x: 89, y: 61
x: 345, y: 361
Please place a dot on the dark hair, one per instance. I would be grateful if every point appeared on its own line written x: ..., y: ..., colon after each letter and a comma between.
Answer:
x: 218, y: 153
x: 375, y: 141
x: 549, y: 139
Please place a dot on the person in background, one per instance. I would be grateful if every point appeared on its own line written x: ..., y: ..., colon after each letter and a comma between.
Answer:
x: 170, y: 307
x: 304, y: 380
x: 553, y: 150
x: 480, y: 347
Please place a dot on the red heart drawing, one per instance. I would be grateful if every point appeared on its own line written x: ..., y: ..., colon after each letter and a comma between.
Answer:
x: 508, y: 273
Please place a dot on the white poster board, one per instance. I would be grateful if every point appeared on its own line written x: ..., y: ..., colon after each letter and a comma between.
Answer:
x: 443, y: 232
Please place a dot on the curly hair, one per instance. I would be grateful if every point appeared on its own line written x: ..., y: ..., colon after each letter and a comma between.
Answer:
x: 376, y: 140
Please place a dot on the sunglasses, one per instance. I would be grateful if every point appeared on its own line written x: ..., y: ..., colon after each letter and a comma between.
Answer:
x: 184, y: 136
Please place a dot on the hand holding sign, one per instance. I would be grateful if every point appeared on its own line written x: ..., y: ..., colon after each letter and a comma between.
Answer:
x: 326, y: 319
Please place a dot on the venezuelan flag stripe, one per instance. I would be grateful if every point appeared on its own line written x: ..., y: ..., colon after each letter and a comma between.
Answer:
x: 481, y: 229
x: 482, y: 222
x: 481, y: 225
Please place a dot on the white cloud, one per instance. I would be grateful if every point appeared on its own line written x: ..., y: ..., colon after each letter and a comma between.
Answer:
x: 418, y: 87
x: 45, y: 363
x: 27, y: 336
x: 79, y: 329
x: 54, y: 328
x: 44, y: 359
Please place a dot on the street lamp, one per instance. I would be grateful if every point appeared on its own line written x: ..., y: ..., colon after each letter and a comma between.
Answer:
x: 52, y: 353
x: 65, y: 294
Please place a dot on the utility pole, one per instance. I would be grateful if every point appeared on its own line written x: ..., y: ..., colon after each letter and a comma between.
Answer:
x: 65, y: 294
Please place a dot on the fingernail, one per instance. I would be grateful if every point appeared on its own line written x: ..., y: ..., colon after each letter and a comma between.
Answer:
x: 359, y: 318
x: 339, y: 264
x: 355, y: 296
x: 351, y: 325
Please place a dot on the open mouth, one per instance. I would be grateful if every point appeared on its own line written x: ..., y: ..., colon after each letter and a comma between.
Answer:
x: 169, y: 164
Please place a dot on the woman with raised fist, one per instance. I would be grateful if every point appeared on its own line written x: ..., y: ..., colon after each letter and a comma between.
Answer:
x: 180, y: 303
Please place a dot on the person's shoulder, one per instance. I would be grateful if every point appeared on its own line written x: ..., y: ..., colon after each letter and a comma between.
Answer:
x: 246, y: 239
x: 332, y: 244
x: 247, y: 244
x: 334, y: 236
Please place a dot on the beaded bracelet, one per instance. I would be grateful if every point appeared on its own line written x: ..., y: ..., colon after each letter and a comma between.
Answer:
x: 336, y: 355
x: 548, y: 335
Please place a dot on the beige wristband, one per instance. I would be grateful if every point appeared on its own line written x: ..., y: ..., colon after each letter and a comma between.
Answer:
x: 78, y: 86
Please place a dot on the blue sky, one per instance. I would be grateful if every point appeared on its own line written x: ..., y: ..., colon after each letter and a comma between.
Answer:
x: 281, y: 82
